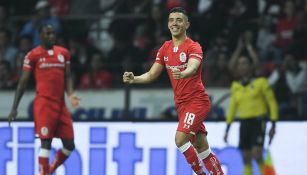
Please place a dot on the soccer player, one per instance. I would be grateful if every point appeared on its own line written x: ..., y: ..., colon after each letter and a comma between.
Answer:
x: 251, y: 96
x: 183, y: 58
x: 51, y: 66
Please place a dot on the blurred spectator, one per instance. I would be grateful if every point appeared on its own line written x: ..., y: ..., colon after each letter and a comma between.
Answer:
x: 60, y: 7
x: 5, y: 22
x: 220, y: 75
x: 299, y: 46
x: 244, y: 46
x: 24, y: 46
x: 295, y: 73
x: 203, y: 6
x: 176, y: 3
x: 285, y: 29
x: 99, y: 34
x: 289, y: 81
x: 219, y: 44
x: 153, y: 27
x: 212, y: 21
x: 132, y: 6
x: 81, y: 7
x: 24, y: 8
x: 266, y: 39
x: 118, y: 28
x: 270, y: 7
x: 42, y: 16
x: 242, y: 12
x: 123, y: 54
x: 7, y: 81
x: 79, y: 58
x: 97, y: 77
x: 7, y: 51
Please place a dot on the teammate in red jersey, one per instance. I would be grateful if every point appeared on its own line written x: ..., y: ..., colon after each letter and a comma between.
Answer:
x: 51, y: 66
x: 182, y: 58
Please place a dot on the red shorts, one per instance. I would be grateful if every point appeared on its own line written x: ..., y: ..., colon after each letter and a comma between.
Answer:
x: 52, y: 119
x: 191, y: 117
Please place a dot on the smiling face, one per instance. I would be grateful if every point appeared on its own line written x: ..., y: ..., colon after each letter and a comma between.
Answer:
x: 178, y: 24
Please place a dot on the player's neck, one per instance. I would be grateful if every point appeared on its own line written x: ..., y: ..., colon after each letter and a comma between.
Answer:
x: 47, y: 47
x: 178, y: 40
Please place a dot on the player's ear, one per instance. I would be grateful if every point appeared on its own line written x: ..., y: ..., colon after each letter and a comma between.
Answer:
x: 187, y: 25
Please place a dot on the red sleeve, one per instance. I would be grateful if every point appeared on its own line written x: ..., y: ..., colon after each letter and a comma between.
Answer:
x: 67, y: 56
x: 29, y: 62
x: 195, y: 52
x: 160, y: 55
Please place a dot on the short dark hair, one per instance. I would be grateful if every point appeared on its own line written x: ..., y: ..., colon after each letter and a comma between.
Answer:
x: 42, y: 26
x: 179, y: 10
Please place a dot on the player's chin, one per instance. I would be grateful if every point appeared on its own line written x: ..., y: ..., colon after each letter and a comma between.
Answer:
x: 51, y: 42
x: 175, y: 34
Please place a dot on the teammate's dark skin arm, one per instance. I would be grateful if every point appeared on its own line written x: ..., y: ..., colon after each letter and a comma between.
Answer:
x: 75, y: 100
x: 22, y: 84
x: 68, y: 81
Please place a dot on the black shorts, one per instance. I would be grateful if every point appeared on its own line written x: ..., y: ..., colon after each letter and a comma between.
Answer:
x: 252, y: 133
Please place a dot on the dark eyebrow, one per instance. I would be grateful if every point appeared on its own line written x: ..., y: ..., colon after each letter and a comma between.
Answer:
x: 175, y: 18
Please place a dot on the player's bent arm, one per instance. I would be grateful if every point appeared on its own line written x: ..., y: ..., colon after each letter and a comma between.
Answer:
x: 193, y: 65
x: 22, y: 84
x: 149, y: 76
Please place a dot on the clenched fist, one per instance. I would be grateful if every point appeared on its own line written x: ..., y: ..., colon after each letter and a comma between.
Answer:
x: 176, y: 73
x: 74, y: 100
x: 128, y: 77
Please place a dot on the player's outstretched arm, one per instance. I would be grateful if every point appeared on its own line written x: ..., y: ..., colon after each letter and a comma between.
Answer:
x: 22, y: 84
x: 148, y: 77
x: 74, y: 99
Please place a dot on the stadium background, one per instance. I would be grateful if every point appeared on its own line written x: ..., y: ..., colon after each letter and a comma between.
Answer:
x: 107, y: 37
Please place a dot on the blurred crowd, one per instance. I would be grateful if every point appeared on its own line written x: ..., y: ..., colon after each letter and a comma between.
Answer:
x: 107, y: 37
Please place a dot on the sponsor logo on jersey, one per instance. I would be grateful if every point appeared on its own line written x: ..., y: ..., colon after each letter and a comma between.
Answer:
x: 49, y: 65
x: 44, y: 131
x: 183, y: 57
x: 178, y: 67
x: 175, y: 49
x: 50, y: 52
x: 61, y: 58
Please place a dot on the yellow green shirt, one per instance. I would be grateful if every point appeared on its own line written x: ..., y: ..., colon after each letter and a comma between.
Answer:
x: 252, y: 100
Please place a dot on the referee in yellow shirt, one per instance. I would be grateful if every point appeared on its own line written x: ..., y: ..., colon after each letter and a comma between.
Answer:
x: 253, y: 99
